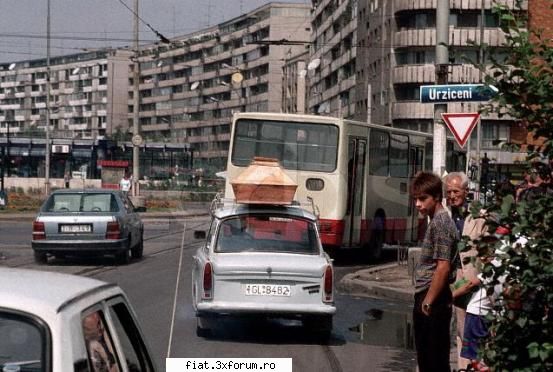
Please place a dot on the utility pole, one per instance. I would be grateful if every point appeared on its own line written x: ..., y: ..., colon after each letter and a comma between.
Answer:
x: 47, y: 145
x: 479, y: 125
x: 442, y: 61
x: 136, y: 108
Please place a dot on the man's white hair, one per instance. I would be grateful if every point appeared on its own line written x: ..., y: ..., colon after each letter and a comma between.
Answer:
x: 461, y: 176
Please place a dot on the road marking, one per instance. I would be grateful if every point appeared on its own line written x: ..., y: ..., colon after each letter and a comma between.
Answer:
x: 176, y: 292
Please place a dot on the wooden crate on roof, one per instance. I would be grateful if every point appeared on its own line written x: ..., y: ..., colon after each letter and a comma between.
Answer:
x: 264, y: 182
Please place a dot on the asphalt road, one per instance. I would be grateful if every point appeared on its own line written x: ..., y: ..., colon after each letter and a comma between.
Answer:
x: 368, y: 334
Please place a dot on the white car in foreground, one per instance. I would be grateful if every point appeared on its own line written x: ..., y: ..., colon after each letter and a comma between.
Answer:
x: 263, y: 260
x: 56, y: 323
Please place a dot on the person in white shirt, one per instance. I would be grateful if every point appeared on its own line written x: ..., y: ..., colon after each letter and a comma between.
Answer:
x: 125, y: 184
x: 478, y: 307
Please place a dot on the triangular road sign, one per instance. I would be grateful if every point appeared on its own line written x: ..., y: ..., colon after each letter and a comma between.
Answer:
x: 461, y: 125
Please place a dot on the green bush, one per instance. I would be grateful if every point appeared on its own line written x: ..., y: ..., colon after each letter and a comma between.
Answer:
x: 521, y: 330
x: 521, y: 327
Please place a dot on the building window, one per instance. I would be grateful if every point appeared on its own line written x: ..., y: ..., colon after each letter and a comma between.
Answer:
x: 407, y: 92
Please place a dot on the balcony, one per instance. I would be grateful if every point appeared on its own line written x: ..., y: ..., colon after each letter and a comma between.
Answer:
x: 457, y: 37
x: 417, y: 110
x: 425, y: 74
x: 412, y: 110
x: 400, y: 5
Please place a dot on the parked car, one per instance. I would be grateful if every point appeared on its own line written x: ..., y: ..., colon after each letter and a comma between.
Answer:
x: 85, y: 222
x: 57, y: 322
x: 263, y: 260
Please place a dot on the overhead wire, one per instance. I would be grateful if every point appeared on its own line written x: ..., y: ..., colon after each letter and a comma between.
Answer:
x: 156, y: 32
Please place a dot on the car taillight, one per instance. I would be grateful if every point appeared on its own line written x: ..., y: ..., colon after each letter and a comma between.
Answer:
x: 38, y: 231
x: 208, y: 280
x: 113, y: 230
x: 328, y: 281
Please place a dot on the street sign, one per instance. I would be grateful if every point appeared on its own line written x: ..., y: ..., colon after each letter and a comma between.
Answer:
x: 456, y: 93
x: 461, y: 125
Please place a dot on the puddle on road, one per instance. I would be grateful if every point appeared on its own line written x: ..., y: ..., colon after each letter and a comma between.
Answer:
x: 386, y: 328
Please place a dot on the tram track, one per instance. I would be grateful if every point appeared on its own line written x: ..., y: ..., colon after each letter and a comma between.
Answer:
x: 93, y: 271
x: 173, y: 244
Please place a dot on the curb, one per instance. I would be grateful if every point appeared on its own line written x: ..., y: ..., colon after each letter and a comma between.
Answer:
x: 144, y: 216
x: 355, y: 284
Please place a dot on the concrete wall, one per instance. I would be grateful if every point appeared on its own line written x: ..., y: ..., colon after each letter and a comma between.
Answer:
x: 36, y: 183
x: 29, y: 184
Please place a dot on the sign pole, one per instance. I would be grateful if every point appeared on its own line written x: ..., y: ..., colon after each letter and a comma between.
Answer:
x: 478, y: 165
x: 442, y: 59
x: 467, y: 162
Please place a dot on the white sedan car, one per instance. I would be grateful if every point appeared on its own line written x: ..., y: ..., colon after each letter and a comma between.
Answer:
x: 263, y: 260
x: 55, y: 323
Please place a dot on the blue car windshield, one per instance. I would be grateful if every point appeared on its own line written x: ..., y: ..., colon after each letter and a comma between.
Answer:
x: 80, y: 202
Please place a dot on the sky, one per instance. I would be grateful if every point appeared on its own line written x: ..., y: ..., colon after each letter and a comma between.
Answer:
x: 77, y: 24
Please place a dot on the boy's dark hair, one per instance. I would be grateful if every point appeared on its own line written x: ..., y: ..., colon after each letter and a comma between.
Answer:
x: 427, y: 183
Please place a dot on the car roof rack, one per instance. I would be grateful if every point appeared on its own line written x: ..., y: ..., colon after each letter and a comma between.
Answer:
x: 220, y: 201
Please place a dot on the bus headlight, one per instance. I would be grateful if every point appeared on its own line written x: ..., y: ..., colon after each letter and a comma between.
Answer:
x: 314, y: 184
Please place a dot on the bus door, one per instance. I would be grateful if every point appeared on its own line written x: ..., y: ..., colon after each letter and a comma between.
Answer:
x: 357, y: 150
x: 416, y: 164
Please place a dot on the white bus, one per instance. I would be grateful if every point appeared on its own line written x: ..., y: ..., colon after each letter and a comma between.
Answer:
x: 357, y: 174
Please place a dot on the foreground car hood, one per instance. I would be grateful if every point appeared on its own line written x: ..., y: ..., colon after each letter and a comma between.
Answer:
x: 276, y: 263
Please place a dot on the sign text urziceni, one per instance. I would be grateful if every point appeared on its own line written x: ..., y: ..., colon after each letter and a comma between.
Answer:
x: 456, y: 93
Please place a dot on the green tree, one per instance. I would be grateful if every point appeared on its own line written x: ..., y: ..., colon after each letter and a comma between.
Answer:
x: 521, y: 328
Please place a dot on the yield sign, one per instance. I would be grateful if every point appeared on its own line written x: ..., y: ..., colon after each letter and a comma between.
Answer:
x: 461, y: 125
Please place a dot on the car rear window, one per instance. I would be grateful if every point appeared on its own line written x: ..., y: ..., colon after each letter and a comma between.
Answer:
x: 81, y: 203
x: 267, y: 233
x: 22, y: 343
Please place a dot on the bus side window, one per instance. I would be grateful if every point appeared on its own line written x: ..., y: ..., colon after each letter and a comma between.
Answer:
x: 379, y: 143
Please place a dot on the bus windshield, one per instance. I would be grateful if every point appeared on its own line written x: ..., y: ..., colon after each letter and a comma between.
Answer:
x: 299, y: 146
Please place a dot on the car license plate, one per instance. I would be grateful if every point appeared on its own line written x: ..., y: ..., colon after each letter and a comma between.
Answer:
x: 267, y: 290
x: 75, y: 229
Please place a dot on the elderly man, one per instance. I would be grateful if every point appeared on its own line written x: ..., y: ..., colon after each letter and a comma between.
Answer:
x: 456, y: 191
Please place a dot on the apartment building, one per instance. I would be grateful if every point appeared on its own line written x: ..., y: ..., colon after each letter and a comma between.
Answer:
x: 190, y: 88
x: 87, y: 95
x: 397, y: 41
x: 331, y: 70
x: 294, y: 83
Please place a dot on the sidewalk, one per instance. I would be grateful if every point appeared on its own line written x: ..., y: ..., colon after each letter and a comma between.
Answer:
x: 390, y: 281
x: 386, y: 281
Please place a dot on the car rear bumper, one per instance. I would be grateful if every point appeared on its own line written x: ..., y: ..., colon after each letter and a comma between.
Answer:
x: 279, y: 310
x: 80, y: 246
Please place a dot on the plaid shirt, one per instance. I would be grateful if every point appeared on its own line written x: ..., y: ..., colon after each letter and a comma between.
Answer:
x: 440, y: 243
